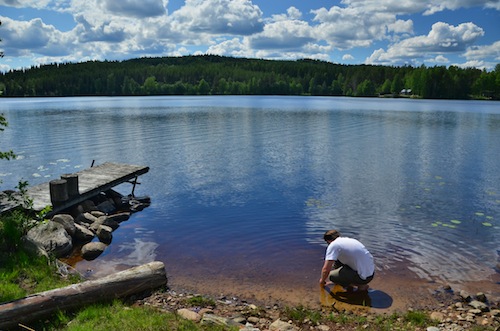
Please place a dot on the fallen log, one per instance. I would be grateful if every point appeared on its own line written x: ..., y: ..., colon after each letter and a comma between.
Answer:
x: 119, y: 285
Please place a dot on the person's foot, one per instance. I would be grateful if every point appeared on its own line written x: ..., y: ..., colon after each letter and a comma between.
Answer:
x: 363, y: 288
x: 349, y: 289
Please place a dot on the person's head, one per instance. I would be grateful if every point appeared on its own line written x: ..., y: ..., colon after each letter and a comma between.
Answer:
x: 331, y: 235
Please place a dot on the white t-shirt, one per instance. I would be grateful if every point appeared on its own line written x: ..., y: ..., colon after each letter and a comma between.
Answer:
x: 351, y: 252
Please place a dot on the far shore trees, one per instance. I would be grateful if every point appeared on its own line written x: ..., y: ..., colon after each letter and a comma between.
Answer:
x: 218, y: 75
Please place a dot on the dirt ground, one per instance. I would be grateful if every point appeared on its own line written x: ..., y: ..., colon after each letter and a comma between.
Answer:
x: 388, y: 292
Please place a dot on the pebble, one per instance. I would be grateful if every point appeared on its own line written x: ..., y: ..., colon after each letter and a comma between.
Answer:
x: 456, y: 315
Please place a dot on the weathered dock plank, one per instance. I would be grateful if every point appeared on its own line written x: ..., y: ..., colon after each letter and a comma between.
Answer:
x: 92, y: 181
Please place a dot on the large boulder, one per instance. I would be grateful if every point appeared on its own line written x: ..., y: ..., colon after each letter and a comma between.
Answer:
x: 107, y: 207
x: 119, y: 217
x: 92, y: 250
x: 87, y: 218
x: 105, y: 234
x: 83, y: 234
x: 67, y: 221
x: 52, y: 237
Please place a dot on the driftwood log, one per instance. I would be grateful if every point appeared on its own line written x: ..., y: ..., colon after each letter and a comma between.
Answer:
x: 119, y: 285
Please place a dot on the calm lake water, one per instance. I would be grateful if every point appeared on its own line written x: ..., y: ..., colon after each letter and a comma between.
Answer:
x: 243, y: 188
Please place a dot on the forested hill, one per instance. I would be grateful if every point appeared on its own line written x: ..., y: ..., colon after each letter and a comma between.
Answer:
x: 209, y: 74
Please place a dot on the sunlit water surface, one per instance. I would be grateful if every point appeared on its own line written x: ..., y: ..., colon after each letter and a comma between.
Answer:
x: 243, y: 188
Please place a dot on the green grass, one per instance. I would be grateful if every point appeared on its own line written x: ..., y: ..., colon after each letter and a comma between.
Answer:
x: 117, y: 316
x: 200, y: 301
x: 22, y: 273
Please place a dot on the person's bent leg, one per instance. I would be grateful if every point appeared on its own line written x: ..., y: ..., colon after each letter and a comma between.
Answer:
x: 344, y: 276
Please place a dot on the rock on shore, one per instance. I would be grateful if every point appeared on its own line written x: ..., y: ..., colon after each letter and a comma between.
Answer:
x: 81, y: 225
x: 458, y: 314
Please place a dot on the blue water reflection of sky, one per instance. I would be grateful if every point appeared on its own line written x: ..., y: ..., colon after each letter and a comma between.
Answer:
x: 261, y: 178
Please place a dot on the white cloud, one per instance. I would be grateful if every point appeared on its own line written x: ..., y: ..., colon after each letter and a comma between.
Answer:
x: 439, y: 59
x: 401, y: 26
x: 347, y: 57
x: 232, y: 47
x: 136, y: 8
x: 346, y: 28
x: 443, y: 38
x: 481, y: 52
x: 108, y: 31
x: 34, y: 36
x: 25, y: 3
x: 232, y: 17
x: 285, y: 35
x: 112, y: 29
x: 475, y: 64
x: 435, y: 6
x: 292, y: 13
x: 428, y: 7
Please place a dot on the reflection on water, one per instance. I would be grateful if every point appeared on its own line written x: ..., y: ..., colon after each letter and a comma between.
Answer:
x: 128, y: 255
x: 339, y: 298
x: 244, y: 187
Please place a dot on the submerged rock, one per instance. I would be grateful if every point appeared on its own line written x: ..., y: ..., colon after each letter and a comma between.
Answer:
x: 92, y: 250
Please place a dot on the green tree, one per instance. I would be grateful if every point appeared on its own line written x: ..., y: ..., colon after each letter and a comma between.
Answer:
x: 397, y: 84
x: 203, y: 87
x: 484, y: 86
x: 365, y: 89
x: 386, y: 87
x: 150, y: 85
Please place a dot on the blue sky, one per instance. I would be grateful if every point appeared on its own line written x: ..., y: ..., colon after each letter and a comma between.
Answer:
x: 465, y: 33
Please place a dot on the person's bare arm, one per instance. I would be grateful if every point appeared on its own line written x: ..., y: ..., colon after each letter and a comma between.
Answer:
x: 325, y: 271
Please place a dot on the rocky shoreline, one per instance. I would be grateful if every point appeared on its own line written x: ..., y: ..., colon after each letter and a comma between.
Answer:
x: 99, y: 218
x: 77, y: 228
x: 455, y: 312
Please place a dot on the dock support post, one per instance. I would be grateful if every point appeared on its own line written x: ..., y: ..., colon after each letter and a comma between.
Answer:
x: 58, y: 192
x: 72, y: 180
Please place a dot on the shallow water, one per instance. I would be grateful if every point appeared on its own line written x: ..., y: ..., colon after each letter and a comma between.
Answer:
x: 243, y: 188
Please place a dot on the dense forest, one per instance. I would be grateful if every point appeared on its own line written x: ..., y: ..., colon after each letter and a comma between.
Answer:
x: 217, y: 75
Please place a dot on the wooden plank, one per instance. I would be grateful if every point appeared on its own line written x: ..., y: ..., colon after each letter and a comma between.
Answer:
x: 92, y: 181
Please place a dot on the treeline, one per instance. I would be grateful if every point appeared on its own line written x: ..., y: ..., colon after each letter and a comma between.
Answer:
x: 216, y: 75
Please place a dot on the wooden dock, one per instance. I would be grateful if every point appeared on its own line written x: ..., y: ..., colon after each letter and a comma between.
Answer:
x: 91, y: 182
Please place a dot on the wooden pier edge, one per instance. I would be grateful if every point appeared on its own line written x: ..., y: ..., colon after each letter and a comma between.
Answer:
x: 72, y: 189
x: 119, y: 285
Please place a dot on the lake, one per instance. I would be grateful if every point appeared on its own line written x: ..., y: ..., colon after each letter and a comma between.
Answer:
x: 243, y: 188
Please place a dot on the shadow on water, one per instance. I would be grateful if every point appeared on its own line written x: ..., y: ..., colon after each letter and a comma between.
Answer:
x: 332, y: 295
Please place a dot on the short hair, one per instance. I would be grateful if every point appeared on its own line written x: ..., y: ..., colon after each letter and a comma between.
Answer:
x: 331, y: 235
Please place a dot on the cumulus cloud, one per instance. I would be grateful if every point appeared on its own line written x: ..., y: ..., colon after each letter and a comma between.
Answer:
x: 34, y: 36
x: 231, y: 47
x: 233, y: 17
x: 439, y: 59
x: 401, y: 26
x: 481, y: 52
x: 437, y: 6
x: 285, y: 34
x: 136, y: 8
x: 443, y: 38
x: 428, y: 7
x: 350, y: 27
x: 106, y: 31
x: 25, y: 3
x: 111, y: 29
x: 292, y: 13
